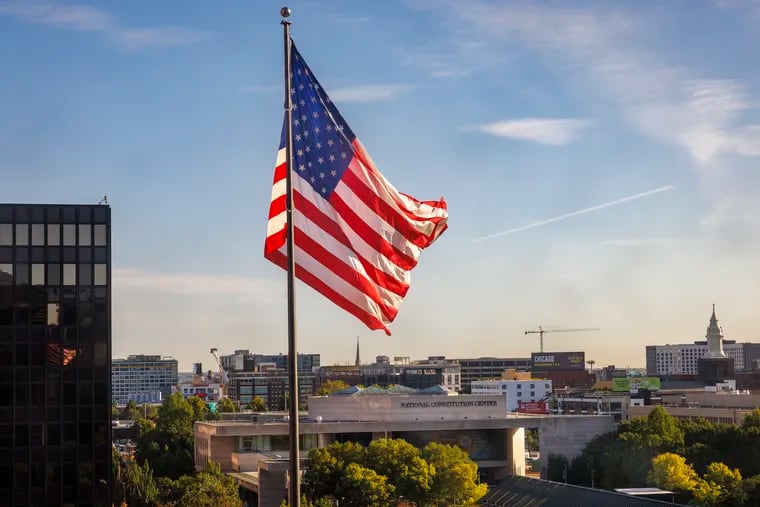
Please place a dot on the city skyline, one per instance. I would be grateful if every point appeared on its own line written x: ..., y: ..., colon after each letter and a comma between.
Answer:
x: 539, y: 123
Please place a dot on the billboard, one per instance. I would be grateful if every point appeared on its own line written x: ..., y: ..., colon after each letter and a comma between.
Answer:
x: 628, y: 384
x: 532, y: 407
x: 558, y: 360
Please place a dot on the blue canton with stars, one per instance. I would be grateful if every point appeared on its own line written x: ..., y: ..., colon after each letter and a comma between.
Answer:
x: 322, y: 141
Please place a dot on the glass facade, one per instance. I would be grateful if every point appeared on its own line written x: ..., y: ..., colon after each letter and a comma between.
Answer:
x: 55, y: 355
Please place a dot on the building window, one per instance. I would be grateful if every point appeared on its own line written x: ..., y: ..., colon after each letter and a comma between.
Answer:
x: 69, y: 235
x: 22, y: 234
x: 6, y: 234
x: 53, y: 235
x: 38, y: 274
x: 84, y: 234
x: 69, y: 274
x: 100, y: 235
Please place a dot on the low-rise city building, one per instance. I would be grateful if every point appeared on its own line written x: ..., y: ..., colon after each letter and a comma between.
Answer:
x: 143, y: 378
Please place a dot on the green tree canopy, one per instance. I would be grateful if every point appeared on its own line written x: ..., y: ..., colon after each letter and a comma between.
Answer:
x: 226, y: 405
x: 175, y: 417
x: 326, y: 465
x: 131, y: 411
x: 331, y: 386
x: 199, y: 407
x: 670, y: 471
x: 400, y: 462
x: 207, y: 488
x: 257, y: 404
x: 456, y: 475
x: 359, y: 486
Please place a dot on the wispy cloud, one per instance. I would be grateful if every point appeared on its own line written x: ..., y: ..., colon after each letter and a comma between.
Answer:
x: 577, y: 213
x: 596, y: 47
x: 91, y: 19
x: 368, y: 93
x: 640, y: 242
x: 552, y: 131
x: 190, y: 284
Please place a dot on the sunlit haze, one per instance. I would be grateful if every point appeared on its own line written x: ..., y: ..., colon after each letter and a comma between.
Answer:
x: 599, y: 160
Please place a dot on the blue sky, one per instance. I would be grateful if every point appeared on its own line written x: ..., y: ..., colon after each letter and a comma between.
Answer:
x: 516, y: 112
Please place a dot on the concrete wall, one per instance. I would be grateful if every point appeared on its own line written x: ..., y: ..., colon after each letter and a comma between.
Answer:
x: 567, y: 436
x: 516, y: 450
x: 406, y: 408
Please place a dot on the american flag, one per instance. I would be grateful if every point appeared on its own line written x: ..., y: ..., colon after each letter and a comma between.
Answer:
x: 357, y: 238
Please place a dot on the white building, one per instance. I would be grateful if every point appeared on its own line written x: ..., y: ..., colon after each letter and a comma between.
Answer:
x: 141, y: 377
x: 514, y: 391
x: 207, y: 391
x: 683, y: 359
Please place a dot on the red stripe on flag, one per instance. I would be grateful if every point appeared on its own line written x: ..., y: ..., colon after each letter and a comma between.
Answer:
x: 369, y: 235
x: 327, y: 224
x: 341, y: 269
x: 315, y: 283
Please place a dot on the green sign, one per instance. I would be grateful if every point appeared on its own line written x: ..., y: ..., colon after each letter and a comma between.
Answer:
x: 627, y: 384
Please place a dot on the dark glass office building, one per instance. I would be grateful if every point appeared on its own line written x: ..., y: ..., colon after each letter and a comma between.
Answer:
x: 55, y: 355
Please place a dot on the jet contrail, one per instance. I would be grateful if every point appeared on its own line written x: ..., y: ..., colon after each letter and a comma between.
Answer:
x: 579, y: 212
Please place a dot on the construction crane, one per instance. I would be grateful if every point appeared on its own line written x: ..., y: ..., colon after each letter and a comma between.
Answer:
x: 541, y: 332
x: 222, y: 373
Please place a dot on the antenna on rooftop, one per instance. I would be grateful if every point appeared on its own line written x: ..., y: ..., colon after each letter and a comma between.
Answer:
x: 104, y: 200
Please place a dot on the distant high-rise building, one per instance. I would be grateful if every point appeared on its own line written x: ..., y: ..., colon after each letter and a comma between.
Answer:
x: 143, y: 378
x: 683, y: 359
x: 484, y: 368
x: 55, y: 355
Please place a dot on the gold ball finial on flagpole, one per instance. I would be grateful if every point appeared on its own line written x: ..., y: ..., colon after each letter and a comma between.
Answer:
x: 285, y: 12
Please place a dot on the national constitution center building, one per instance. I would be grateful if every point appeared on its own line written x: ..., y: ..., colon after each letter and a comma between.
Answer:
x: 55, y: 349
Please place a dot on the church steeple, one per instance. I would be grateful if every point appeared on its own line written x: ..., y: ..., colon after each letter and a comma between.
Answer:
x: 358, y: 361
x: 714, y: 338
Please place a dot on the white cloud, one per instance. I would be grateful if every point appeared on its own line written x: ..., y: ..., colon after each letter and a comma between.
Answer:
x: 197, y: 284
x: 552, y: 131
x: 368, y: 93
x: 599, y: 48
x: 134, y: 39
x: 640, y: 242
x: 91, y: 19
x: 75, y: 17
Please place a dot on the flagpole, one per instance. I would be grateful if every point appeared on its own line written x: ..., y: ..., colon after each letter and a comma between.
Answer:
x: 295, y: 472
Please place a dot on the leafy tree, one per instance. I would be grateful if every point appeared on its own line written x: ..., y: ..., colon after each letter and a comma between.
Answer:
x: 556, y: 468
x: 728, y: 482
x: 131, y: 411
x: 150, y: 412
x: 670, y: 471
x: 752, y: 420
x: 326, y: 465
x: 225, y: 405
x: 257, y: 404
x: 139, y: 485
x: 400, y: 462
x: 456, y: 475
x: 360, y: 486
x: 531, y: 439
x: 331, y: 386
x: 175, y: 417
x: 207, y: 488
x: 200, y: 409
x: 659, y: 431
x: 115, y: 412
x: 168, y: 447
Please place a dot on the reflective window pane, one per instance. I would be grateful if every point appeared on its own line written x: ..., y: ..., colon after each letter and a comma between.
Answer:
x: 38, y: 274
x: 22, y: 274
x: 69, y: 274
x: 69, y: 234
x: 6, y: 234
x: 100, y: 235
x: 6, y: 274
x: 101, y: 277
x: 84, y: 234
x: 53, y: 234
x: 22, y: 234
x: 85, y: 274
x: 54, y: 274
x: 53, y: 314
x: 38, y: 234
